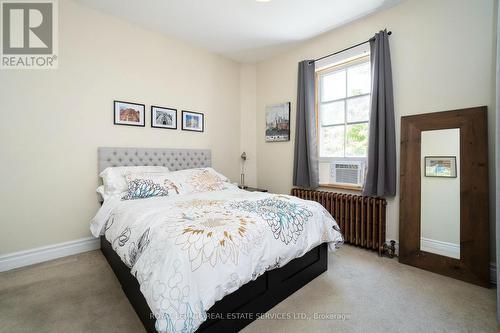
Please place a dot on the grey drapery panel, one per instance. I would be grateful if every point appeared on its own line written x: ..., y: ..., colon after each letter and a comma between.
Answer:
x: 497, y: 156
x: 305, y: 166
x: 381, y: 173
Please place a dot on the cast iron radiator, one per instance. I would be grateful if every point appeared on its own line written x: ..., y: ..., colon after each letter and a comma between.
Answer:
x: 361, y: 219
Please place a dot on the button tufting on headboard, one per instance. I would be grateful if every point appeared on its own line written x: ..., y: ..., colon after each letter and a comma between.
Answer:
x: 174, y: 159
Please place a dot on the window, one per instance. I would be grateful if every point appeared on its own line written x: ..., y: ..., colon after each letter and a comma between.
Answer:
x: 343, y: 109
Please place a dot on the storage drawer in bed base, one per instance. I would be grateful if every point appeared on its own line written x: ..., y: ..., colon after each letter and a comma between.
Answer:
x: 245, y: 304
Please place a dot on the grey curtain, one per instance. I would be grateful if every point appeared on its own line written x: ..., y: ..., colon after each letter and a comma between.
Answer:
x: 381, y: 173
x: 497, y: 169
x: 305, y: 166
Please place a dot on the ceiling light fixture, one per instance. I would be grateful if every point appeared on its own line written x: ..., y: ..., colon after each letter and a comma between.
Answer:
x: 263, y: 0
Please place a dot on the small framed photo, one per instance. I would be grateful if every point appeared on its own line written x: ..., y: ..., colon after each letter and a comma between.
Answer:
x: 130, y: 114
x: 163, y: 117
x: 192, y: 121
x: 441, y: 166
x: 278, y: 122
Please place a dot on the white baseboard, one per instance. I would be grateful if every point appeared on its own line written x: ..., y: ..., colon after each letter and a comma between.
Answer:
x: 50, y: 252
x: 493, y: 266
x: 443, y: 248
x: 45, y: 253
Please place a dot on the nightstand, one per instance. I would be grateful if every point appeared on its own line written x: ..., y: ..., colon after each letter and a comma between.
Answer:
x: 252, y: 189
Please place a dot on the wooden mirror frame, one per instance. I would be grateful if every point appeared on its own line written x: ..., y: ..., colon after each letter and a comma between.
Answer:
x: 474, y: 262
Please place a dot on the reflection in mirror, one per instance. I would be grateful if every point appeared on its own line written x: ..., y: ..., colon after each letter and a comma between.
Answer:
x: 440, y: 192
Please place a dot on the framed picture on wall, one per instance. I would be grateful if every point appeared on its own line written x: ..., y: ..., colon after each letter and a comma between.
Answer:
x: 192, y: 121
x: 441, y: 166
x: 278, y: 122
x: 130, y: 114
x: 163, y: 117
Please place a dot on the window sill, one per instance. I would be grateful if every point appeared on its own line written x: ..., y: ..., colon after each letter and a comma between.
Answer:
x: 342, y: 187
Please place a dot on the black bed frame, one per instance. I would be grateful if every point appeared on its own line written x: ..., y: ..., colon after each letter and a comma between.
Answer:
x: 242, y: 306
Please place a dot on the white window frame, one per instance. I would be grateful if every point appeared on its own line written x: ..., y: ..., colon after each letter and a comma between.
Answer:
x: 319, y: 73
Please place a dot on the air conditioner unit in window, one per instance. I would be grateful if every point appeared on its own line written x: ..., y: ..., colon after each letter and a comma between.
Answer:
x: 347, y: 172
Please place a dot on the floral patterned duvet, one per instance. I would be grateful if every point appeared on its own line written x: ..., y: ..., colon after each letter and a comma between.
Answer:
x: 189, y: 251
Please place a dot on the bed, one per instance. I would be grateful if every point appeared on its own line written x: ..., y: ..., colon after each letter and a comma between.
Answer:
x: 212, y: 261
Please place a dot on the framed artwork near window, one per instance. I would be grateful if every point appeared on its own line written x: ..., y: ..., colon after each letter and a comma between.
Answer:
x: 129, y: 114
x: 278, y: 122
x: 192, y: 121
x: 441, y: 166
x: 163, y: 117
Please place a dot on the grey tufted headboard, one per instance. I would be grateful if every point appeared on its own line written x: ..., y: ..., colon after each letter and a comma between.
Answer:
x: 174, y: 159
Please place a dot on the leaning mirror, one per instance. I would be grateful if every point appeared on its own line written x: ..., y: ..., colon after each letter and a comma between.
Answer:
x: 440, y: 192
x: 443, y: 208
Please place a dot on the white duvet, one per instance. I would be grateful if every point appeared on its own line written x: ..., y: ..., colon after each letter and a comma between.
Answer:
x: 189, y: 251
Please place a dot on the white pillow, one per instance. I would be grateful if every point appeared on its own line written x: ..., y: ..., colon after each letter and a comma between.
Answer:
x: 198, y: 180
x: 114, y: 180
x: 103, y: 194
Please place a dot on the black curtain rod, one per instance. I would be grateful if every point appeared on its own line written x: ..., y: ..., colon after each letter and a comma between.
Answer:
x: 348, y: 48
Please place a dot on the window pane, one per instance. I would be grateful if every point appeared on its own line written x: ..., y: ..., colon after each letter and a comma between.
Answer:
x: 332, y: 113
x: 332, y: 141
x: 333, y: 86
x: 358, y: 109
x: 357, y: 140
x: 358, y: 79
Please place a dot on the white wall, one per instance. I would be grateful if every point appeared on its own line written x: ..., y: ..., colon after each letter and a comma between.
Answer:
x: 442, y: 59
x: 52, y: 121
x: 440, y: 197
x: 248, y: 99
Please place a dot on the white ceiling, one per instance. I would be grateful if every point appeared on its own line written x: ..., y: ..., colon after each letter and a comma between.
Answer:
x: 243, y: 30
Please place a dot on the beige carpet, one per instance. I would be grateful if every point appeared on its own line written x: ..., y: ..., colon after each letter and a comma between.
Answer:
x: 360, y: 293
